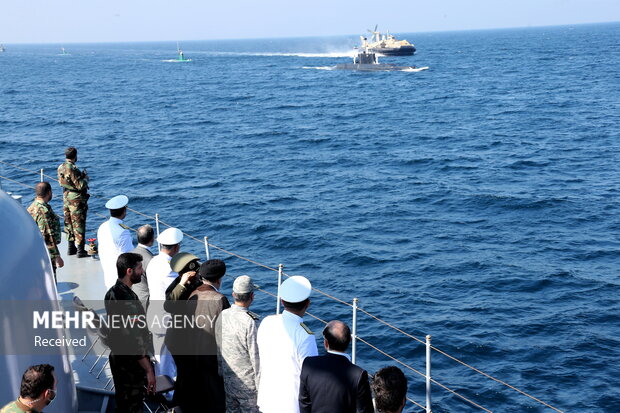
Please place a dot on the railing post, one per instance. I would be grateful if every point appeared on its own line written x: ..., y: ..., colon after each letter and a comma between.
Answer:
x: 280, y: 267
x: 428, y: 374
x: 354, y: 334
x: 41, y: 174
x: 157, y: 229
x: 207, y: 248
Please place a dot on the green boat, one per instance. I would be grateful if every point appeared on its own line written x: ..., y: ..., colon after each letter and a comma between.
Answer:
x: 181, y: 56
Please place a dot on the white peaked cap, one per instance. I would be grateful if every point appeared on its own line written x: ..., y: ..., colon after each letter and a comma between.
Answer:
x: 171, y: 236
x: 295, y: 289
x: 117, y: 202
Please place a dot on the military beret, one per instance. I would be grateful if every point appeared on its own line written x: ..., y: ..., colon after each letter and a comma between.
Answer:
x: 295, y: 289
x: 184, y: 262
x: 171, y: 236
x: 117, y: 202
x: 243, y: 285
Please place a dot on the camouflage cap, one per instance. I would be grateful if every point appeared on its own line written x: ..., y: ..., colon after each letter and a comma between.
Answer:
x: 243, y: 285
x: 184, y: 262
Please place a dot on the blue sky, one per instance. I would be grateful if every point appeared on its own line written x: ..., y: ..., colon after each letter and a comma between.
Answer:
x: 67, y: 21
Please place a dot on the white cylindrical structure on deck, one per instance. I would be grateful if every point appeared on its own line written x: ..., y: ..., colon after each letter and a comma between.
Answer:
x: 157, y: 229
x: 354, y: 333
x: 280, y: 267
x: 41, y: 174
x: 428, y: 374
x: 207, y: 248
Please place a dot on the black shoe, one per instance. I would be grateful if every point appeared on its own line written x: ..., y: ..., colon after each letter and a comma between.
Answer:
x: 80, y: 251
x: 72, y: 250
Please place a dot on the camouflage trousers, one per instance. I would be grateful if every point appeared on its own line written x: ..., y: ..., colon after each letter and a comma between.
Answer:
x: 75, y: 219
x: 129, y: 381
x: 237, y: 404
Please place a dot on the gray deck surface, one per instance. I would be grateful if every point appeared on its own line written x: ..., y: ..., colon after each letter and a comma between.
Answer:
x: 83, y: 277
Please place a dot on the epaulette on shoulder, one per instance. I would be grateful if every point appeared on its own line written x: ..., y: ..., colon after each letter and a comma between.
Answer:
x: 124, y: 226
x: 253, y: 316
x: 305, y: 327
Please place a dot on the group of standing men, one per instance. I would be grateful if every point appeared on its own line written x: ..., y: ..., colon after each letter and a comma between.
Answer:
x: 230, y: 364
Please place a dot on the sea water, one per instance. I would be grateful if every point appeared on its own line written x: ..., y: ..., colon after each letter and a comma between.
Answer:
x: 476, y: 202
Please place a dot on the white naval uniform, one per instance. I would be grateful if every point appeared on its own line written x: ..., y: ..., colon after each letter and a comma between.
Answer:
x: 159, y: 276
x: 283, y: 344
x: 114, y: 240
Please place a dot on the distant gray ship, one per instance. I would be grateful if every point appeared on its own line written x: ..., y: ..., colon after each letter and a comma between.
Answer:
x: 366, y: 61
x: 388, y: 45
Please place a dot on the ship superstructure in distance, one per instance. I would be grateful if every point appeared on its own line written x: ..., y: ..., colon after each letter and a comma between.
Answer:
x: 388, y: 45
x: 366, y: 61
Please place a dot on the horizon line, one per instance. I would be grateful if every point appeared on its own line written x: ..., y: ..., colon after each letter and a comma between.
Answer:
x: 308, y: 37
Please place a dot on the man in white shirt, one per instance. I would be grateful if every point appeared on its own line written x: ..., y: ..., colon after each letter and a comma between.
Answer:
x: 284, y: 341
x: 114, y: 239
x: 159, y: 275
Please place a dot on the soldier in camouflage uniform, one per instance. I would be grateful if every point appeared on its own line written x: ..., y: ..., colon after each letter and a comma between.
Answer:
x: 48, y: 222
x: 237, y: 349
x: 75, y: 197
x: 130, y: 346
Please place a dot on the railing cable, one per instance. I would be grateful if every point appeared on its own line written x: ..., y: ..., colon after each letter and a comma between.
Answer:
x: 495, y: 379
x: 317, y: 290
x: 422, y: 374
x: 17, y: 182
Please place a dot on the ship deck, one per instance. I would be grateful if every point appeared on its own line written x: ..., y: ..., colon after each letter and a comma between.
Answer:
x: 83, y: 278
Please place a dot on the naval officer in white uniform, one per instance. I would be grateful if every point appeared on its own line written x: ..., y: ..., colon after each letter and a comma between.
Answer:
x: 284, y: 341
x: 114, y: 239
x: 159, y: 275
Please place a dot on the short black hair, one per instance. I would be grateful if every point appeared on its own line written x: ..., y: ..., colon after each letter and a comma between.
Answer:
x: 296, y: 306
x: 42, y: 189
x: 145, y: 234
x: 70, y: 152
x: 36, y: 380
x: 390, y: 388
x: 212, y: 270
x: 126, y: 261
x: 117, y: 213
x: 337, y: 339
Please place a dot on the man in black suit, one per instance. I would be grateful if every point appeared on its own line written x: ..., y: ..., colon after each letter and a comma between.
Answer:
x: 146, y: 238
x: 331, y: 383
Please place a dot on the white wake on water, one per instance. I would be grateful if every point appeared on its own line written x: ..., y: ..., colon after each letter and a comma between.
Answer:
x: 320, y: 67
x: 335, y: 54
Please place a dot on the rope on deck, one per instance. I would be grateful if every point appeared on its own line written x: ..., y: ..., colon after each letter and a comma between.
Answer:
x: 320, y: 292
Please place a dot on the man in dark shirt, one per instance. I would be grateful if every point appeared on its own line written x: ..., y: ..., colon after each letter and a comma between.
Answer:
x: 129, y: 338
